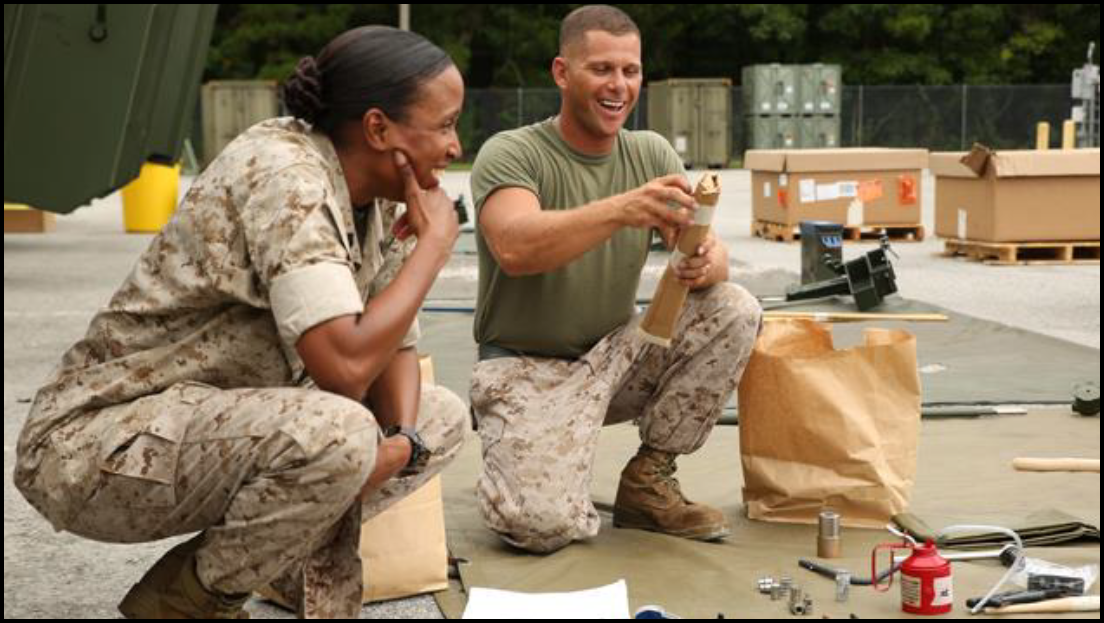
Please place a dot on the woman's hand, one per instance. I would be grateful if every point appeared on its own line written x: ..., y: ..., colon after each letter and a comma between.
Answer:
x: 392, y: 455
x: 430, y: 215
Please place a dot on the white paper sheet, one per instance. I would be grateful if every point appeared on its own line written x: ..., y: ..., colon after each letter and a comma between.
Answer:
x: 605, y: 602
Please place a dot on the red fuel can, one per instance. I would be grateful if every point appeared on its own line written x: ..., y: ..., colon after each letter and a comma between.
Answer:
x: 925, y: 578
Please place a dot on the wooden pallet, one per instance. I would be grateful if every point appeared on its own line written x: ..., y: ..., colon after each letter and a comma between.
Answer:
x: 19, y: 219
x: 851, y: 233
x: 1021, y: 253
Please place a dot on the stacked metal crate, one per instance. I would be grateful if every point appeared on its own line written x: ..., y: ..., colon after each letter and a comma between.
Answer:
x: 792, y: 106
x: 694, y: 114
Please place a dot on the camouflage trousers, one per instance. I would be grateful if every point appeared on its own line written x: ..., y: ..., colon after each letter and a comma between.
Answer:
x: 270, y: 476
x: 539, y: 418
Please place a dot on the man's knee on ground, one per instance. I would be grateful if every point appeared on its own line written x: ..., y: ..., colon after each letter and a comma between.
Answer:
x: 539, y: 533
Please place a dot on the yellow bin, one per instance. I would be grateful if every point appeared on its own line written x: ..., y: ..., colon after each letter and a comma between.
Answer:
x: 149, y: 201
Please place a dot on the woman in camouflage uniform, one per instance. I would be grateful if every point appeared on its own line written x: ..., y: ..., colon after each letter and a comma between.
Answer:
x: 254, y: 378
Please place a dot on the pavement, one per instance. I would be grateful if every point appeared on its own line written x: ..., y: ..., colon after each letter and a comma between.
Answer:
x: 53, y: 284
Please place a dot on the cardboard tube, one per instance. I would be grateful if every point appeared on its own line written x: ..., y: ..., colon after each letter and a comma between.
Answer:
x: 658, y: 326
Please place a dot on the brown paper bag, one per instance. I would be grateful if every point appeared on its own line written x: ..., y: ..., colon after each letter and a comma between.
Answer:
x: 403, y: 548
x: 821, y: 427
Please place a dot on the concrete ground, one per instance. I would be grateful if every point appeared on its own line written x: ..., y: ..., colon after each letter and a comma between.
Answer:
x: 54, y: 283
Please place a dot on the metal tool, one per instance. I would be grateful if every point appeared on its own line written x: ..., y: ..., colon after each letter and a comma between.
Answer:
x: 828, y: 534
x: 1089, y: 603
x: 831, y: 572
x: 843, y: 586
x: 800, y: 603
x: 1046, y: 581
x: 1086, y: 399
x: 821, y: 248
x: 868, y: 279
x: 1022, y: 597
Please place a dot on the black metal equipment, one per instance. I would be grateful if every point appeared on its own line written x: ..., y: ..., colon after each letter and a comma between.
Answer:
x: 461, y: 207
x: 868, y: 279
x: 1086, y: 399
x: 821, y: 244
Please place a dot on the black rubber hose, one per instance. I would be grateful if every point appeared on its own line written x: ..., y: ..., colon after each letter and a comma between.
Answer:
x: 831, y: 572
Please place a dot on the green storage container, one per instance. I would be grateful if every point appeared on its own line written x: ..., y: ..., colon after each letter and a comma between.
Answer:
x: 770, y: 89
x: 695, y: 116
x: 92, y: 91
x: 818, y: 89
x: 773, y: 132
x: 229, y: 107
x: 819, y: 131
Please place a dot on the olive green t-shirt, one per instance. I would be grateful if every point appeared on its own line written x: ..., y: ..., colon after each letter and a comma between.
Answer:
x: 564, y: 312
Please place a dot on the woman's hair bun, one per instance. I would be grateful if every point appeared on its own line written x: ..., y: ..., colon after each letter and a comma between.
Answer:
x: 303, y: 91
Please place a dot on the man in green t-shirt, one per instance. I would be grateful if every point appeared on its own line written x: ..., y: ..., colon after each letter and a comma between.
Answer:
x: 566, y: 209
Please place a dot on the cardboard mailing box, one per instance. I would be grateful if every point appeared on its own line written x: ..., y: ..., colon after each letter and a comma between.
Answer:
x: 1018, y: 196
x: 861, y: 186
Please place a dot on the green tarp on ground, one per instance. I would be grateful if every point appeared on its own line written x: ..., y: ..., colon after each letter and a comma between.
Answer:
x: 964, y: 476
x: 966, y: 360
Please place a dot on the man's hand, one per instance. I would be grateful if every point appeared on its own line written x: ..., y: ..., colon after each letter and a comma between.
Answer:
x: 392, y: 455
x: 665, y: 203
x: 708, y: 265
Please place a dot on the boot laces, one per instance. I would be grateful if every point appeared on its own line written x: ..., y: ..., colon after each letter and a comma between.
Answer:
x: 665, y: 471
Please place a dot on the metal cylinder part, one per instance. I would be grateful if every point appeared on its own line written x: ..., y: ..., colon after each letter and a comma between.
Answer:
x: 828, y: 534
x: 843, y: 585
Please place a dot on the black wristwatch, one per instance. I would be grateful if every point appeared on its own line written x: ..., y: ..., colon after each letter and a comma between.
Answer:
x: 419, y: 453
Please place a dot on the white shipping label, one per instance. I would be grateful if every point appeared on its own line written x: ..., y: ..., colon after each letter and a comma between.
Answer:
x: 680, y: 143
x: 855, y: 213
x: 961, y: 224
x: 848, y: 190
x: 944, y: 593
x: 807, y: 190
x: 827, y: 192
x: 912, y: 591
x: 783, y: 179
x: 766, y: 190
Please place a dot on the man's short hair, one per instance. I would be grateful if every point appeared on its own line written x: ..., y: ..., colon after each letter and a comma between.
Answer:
x: 595, y: 17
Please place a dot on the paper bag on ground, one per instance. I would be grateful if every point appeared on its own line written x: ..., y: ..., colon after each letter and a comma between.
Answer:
x: 821, y: 427
x: 403, y: 548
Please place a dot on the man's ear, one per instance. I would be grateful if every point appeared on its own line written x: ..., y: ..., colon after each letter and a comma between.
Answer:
x: 376, y: 129
x: 559, y: 71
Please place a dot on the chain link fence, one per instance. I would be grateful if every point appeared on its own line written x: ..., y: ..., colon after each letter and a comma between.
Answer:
x: 939, y: 118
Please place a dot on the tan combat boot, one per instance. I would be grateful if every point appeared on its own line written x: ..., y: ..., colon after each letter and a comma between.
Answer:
x: 649, y: 498
x: 171, y: 590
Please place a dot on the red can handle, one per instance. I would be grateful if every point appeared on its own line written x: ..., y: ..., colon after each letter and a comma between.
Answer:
x: 890, y: 547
